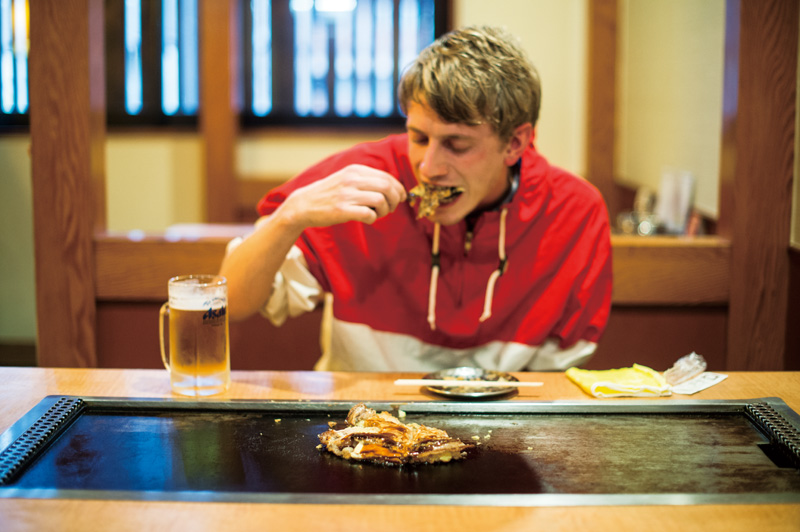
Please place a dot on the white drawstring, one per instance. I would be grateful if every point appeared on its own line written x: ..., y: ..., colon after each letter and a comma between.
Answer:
x: 435, y: 267
x: 501, y: 251
x: 434, y: 277
x: 501, y: 268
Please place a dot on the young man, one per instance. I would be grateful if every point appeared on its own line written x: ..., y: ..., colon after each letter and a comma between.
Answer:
x: 509, y: 270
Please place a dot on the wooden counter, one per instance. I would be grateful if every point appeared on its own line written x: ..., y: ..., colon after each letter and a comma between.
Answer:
x: 23, y: 388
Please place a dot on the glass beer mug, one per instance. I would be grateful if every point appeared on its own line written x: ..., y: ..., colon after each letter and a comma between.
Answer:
x: 198, y: 361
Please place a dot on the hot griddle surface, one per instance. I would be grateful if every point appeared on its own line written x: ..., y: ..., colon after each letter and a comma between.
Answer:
x: 149, y: 448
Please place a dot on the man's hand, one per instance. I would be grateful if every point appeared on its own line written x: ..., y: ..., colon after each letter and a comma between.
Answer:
x: 354, y: 193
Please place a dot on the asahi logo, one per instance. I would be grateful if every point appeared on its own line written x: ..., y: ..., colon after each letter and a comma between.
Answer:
x: 214, y: 316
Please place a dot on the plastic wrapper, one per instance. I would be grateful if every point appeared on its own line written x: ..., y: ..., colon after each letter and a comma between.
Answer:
x: 685, y: 368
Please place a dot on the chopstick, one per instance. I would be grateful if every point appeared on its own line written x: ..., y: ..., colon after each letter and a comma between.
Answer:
x: 471, y: 384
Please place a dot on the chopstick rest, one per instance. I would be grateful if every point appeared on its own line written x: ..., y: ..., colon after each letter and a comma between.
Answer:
x: 471, y: 384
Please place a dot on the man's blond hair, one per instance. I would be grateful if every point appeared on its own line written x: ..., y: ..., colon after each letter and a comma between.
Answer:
x: 472, y: 76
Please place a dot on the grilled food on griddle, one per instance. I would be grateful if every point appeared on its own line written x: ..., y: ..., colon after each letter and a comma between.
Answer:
x: 384, y: 439
x: 431, y: 197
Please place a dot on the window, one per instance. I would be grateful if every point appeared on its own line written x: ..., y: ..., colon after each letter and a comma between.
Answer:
x: 346, y: 61
x: 13, y: 62
x: 152, y: 62
x: 305, y: 61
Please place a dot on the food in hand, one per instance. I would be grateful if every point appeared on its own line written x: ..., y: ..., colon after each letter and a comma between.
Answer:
x: 430, y: 197
x: 384, y: 439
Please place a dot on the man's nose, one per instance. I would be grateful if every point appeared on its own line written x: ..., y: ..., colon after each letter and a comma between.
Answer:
x: 433, y: 166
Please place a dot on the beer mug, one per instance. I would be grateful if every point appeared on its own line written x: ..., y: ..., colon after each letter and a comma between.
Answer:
x: 199, y: 348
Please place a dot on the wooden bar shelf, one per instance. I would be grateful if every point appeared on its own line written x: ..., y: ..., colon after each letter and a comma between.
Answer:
x: 647, y: 271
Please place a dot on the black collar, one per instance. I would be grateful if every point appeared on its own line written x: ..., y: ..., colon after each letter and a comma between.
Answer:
x: 513, y: 181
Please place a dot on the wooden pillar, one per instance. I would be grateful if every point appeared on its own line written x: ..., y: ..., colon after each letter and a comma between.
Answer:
x: 762, y: 184
x: 220, y: 104
x: 67, y: 114
x: 601, y: 94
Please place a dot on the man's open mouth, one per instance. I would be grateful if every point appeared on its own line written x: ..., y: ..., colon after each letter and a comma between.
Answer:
x: 430, y: 197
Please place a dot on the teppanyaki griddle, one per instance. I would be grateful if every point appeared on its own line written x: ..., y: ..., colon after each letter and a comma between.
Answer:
x: 526, y: 454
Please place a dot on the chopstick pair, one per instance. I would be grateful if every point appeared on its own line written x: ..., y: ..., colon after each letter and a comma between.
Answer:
x: 451, y: 383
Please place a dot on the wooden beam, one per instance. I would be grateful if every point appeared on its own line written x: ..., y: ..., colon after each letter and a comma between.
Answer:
x: 764, y: 171
x: 601, y: 97
x: 220, y: 104
x: 67, y: 114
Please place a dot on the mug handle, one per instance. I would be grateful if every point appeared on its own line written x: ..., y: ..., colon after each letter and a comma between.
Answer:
x: 164, y: 310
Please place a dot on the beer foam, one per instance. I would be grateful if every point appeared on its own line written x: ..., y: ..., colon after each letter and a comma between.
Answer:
x: 195, y: 293
x: 196, y: 303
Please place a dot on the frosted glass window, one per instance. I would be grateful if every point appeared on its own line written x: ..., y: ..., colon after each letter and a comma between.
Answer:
x: 262, y: 52
x: 303, y: 59
x: 179, y: 57
x: 13, y: 56
x: 133, y: 56
x: 170, y: 57
x: 348, y: 55
x: 189, y: 58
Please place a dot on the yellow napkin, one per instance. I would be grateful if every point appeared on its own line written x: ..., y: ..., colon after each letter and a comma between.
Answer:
x: 636, y: 381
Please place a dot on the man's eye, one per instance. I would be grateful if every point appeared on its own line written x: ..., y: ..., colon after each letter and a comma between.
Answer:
x: 419, y: 140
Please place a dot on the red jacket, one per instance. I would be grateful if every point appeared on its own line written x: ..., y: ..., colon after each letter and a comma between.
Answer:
x: 557, y: 284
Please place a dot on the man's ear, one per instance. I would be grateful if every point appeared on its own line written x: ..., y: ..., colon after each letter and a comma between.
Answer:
x: 519, y: 141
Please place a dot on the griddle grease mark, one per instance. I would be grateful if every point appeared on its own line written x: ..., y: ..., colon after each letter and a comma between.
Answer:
x: 777, y: 429
x: 26, y: 447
